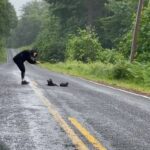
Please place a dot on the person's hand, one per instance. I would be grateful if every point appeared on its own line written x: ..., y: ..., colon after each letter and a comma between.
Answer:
x: 38, y: 62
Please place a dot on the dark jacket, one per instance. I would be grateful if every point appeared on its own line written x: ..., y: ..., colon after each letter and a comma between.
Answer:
x: 25, y: 55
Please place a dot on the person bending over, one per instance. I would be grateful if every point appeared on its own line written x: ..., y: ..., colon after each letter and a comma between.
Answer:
x: 20, y: 58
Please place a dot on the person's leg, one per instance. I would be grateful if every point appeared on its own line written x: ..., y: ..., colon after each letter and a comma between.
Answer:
x: 22, y: 69
x: 22, y: 75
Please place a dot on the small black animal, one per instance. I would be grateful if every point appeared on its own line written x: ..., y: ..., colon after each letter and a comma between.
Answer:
x: 64, y: 84
x: 50, y: 83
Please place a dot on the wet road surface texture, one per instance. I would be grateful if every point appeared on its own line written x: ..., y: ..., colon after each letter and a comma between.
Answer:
x: 83, y: 115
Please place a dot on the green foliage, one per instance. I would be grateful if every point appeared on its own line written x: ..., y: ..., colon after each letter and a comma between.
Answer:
x: 51, y: 46
x: 144, y: 57
x: 53, y: 52
x: 124, y: 45
x: 111, y: 28
x: 131, y: 76
x: 120, y: 70
x: 29, y: 25
x: 110, y: 56
x: 52, y: 27
x: 69, y: 14
x: 84, y: 46
x: 8, y: 21
x: 95, y: 70
x: 137, y: 73
x: 143, y: 39
x: 146, y: 75
x: 2, y: 52
x: 140, y: 73
x: 8, y: 18
x: 77, y: 13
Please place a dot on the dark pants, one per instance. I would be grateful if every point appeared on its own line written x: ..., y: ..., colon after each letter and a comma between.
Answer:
x: 21, y: 66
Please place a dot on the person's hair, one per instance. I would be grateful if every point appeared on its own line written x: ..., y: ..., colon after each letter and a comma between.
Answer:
x: 34, y: 51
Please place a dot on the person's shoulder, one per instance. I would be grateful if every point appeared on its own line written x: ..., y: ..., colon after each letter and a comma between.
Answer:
x: 21, y: 52
x: 26, y: 51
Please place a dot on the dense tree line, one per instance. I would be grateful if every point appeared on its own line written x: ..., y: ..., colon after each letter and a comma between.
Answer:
x: 85, y: 30
x: 29, y: 24
x: 8, y: 21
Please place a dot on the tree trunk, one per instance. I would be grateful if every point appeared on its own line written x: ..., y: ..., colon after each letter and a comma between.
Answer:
x: 136, y: 31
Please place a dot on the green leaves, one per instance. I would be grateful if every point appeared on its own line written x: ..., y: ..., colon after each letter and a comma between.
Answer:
x: 144, y: 37
x: 84, y: 46
x: 143, y: 51
x: 119, y: 20
x: 8, y: 21
x: 30, y: 24
x: 8, y: 18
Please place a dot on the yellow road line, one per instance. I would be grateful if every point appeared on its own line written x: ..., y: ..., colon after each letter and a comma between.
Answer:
x: 34, y: 84
x: 75, y: 139
x: 87, y: 135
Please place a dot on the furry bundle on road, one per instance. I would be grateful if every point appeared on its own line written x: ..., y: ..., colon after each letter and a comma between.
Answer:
x: 51, y: 83
x: 64, y: 84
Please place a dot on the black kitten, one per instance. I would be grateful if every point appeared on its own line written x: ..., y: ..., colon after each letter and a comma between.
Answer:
x: 50, y: 83
x: 64, y: 84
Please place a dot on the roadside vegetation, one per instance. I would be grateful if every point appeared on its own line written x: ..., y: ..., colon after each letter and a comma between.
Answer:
x: 124, y: 75
x: 8, y: 21
x: 90, y: 38
x: 3, y: 55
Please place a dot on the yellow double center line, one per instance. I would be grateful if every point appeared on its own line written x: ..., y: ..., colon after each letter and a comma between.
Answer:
x: 75, y: 139
x: 88, y: 136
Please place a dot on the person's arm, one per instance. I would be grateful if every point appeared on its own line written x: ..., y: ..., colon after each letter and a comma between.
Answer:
x: 38, y: 62
x: 32, y: 60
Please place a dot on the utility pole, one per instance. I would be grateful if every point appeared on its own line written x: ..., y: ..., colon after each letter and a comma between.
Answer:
x: 136, y: 31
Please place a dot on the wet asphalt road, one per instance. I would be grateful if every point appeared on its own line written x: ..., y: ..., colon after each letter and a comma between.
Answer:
x: 119, y: 120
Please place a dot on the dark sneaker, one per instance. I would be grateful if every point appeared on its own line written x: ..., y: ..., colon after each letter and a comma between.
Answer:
x: 24, y: 82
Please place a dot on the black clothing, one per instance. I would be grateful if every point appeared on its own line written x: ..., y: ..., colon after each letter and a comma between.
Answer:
x: 21, y: 66
x: 24, y: 82
x: 21, y: 57
x: 25, y: 56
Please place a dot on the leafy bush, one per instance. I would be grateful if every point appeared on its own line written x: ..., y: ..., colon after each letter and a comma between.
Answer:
x: 143, y: 57
x: 84, y: 46
x: 55, y: 52
x: 146, y: 75
x: 144, y: 37
x: 125, y: 44
x: 51, y: 47
x: 136, y: 73
x: 2, y: 52
x: 140, y: 73
x: 110, y: 56
x: 120, y: 70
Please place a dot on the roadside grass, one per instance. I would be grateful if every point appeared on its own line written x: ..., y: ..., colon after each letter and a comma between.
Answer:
x: 98, y: 72
x: 3, y: 55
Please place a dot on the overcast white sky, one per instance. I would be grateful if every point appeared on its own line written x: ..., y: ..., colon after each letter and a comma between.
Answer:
x: 18, y: 5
